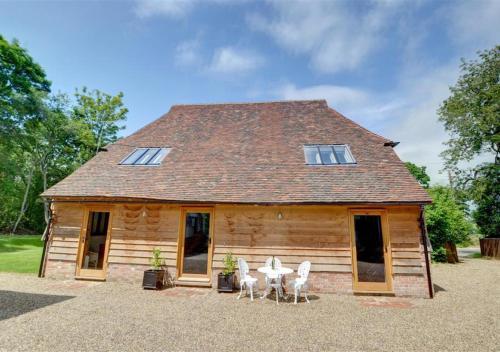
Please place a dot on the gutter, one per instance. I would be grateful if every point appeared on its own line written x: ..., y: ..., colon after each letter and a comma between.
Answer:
x: 45, y: 238
x: 425, y: 242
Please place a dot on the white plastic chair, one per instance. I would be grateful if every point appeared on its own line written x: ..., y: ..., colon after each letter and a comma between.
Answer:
x: 300, y: 283
x: 245, y: 279
x: 272, y: 280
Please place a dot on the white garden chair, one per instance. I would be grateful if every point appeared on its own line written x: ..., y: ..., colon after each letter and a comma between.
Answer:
x: 300, y: 283
x: 273, y: 280
x: 245, y: 279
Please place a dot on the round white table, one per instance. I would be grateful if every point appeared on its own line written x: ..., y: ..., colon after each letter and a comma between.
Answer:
x: 275, y: 273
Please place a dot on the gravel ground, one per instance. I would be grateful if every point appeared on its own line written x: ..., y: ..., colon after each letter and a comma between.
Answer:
x: 41, y: 314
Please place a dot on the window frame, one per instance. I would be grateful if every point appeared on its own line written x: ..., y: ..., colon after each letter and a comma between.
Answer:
x: 318, y: 146
x: 146, y: 149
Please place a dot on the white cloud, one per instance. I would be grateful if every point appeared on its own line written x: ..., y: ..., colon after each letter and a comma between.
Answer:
x: 369, y: 109
x: 174, y: 8
x: 407, y: 114
x: 335, y: 37
x: 187, y: 53
x: 231, y: 60
x: 169, y: 8
x: 475, y: 24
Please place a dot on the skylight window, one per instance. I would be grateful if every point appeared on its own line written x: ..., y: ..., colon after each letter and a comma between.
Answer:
x: 328, y: 154
x: 146, y: 156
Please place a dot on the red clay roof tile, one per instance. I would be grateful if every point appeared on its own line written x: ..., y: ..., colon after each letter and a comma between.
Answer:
x: 248, y: 153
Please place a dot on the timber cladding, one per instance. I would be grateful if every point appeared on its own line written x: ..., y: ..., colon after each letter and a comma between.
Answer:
x: 293, y: 233
x: 318, y: 233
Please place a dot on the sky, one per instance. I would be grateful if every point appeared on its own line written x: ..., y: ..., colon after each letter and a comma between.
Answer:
x: 385, y: 64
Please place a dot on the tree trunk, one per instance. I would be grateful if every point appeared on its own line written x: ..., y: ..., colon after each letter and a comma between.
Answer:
x: 490, y: 247
x: 25, y: 201
x: 45, y: 203
x: 451, y: 252
x: 99, y: 137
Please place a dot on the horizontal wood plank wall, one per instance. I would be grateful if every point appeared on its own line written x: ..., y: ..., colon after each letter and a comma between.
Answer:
x: 316, y: 233
x: 65, y: 233
x: 405, y: 240
x: 138, y: 229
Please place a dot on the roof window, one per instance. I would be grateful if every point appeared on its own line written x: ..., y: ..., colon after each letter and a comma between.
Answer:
x: 146, y: 156
x: 328, y: 154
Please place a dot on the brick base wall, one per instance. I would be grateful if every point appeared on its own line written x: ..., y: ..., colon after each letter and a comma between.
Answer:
x: 324, y: 282
x: 58, y: 269
x: 410, y: 286
x: 131, y: 272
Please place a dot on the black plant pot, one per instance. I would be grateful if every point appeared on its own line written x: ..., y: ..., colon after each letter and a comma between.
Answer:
x: 225, y: 283
x: 153, y: 279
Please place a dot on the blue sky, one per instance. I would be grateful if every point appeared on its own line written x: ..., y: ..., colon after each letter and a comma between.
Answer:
x: 385, y: 64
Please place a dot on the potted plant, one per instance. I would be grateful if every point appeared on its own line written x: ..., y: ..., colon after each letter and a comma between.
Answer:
x: 154, y: 278
x: 225, y: 282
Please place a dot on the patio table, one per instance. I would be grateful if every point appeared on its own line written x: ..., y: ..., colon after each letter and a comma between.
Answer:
x: 276, y: 272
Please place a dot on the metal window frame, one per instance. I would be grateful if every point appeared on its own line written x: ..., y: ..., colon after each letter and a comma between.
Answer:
x: 317, y: 146
x: 146, y: 149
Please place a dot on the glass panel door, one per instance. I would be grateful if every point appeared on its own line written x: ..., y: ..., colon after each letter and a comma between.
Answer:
x: 370, y: 252
x: 93, y: 245
x: 196, y: 243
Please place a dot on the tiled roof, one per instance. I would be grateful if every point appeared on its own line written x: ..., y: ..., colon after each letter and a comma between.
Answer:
x: 248, y: 153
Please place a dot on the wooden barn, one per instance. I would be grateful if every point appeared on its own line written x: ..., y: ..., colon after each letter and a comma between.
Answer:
x: 293, y: 179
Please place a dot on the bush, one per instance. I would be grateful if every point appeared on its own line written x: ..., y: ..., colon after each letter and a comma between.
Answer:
x: 439, y: 255
x: 157, y: 261
x: 229, y: 264
x: 446, y: 219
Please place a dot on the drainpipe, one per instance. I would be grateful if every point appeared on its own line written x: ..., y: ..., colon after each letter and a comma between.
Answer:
x: 45, y: 238
x: 425, y: 241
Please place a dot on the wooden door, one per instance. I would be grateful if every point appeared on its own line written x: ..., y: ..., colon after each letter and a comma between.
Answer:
x: 370, y: 243
x: 194, y: 261
x: 95, y: 235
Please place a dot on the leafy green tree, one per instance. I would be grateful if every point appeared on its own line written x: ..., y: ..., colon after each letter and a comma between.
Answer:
x: 99, y: 115
x: 46, y: 143
x: 420, y: 174
x: 487, y: 189
x: 472, y: 117
x: 22, y: 82
x: 20, y: 79
x: 446, y: 220
x: 44, y: 138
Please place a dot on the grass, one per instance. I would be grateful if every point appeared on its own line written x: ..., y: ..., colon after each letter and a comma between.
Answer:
x: 20, y: 253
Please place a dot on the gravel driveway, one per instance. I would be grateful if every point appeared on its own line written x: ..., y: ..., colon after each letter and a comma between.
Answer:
x: 42, y: 315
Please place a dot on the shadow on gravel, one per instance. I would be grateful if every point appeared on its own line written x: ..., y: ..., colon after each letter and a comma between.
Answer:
x: 13, y: 303
x: 438, y: 288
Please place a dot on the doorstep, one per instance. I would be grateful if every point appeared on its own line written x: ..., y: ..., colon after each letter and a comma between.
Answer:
x: 90, y: 278
x: 374, y: 293
x: 193, y: 282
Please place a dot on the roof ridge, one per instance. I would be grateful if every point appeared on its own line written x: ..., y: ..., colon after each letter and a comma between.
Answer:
x: 255, y: 103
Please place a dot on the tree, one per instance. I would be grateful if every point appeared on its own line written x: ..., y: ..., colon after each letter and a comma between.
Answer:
x: 420, y: 174
x: 447, y: 223
x: 472, y: 117
x: 47, y: 145
x: 98, y: 114
x: 22, y: 82
x: 20, y: 79
x: 487, y: 213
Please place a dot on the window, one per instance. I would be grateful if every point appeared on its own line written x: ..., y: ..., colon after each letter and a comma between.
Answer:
x: 328, y: 154
x: 146, y: 156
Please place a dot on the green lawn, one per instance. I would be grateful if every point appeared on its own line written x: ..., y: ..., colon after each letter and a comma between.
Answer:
x: 20, y: 253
